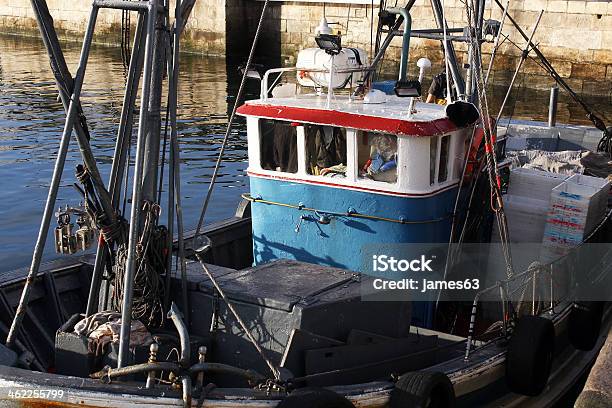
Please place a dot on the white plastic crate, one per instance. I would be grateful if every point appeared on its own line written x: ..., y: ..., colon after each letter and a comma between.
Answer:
x: 577, y: 205
x: 534, y: 184
x: 526, y: 219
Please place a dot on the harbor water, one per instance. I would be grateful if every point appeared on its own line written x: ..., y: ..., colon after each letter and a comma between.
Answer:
x: 32, y: 118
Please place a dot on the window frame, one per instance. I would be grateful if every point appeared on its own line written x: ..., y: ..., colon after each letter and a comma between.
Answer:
x: 372, y: 182
x: 299, y: 146
x: 447, y: 174
x: 350, y: 151
x: 351, y: 181
x: 438, y: 154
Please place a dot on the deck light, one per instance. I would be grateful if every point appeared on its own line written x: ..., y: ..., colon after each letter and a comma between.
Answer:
x: 255, y: 71
x: 323, y: 27
x: 405, y: 89
x: 330, y: 43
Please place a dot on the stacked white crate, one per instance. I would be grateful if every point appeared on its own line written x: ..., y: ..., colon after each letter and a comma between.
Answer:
x: 533, y: 183
x: 577, y: 205
x: 526, y: 204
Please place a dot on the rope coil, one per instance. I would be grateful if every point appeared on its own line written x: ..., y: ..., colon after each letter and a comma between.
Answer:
x: 148, y: 290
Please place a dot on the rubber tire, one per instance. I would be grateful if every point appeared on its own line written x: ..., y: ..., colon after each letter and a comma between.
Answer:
x: 529, y: 355
x: 584, y: 324
x: 423, y: 389
x: 314, y: 397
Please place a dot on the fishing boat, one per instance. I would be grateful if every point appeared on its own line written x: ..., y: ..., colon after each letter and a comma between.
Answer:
x: 288, y: 303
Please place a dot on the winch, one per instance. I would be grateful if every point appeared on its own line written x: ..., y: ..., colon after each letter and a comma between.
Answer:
x: 67, y: 241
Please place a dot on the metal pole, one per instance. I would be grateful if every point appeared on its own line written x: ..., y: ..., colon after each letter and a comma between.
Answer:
x: 452, y: 58
x: 475, y: 60
x: 480, y: 17
x: 330, y: 82
x: 469, y: 68
x: 119, y: 157
x: 174, y: 171
x: 518, y: 68
x: 496, y: 43
x: 130, y: 267
x: 65, y: 85
x: 403, y: 69
x: 55, y: 180
x: 552, y: 106
x: 151, y: 163
x: 179, y: 223
x: 469, y: 80
x: 171, y: 175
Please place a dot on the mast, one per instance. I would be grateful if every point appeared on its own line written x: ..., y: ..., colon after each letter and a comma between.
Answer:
x: 141, y: 248
x: 126, y: 303
x: 451, y: 56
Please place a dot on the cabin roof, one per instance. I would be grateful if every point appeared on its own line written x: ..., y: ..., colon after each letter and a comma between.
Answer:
x: 388, y: 117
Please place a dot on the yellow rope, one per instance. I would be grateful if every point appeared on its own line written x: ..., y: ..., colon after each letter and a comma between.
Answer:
x: 248, y: 197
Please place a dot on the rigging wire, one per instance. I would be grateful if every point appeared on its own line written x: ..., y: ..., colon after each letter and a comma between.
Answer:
x: 166, y: 121
x: 348, y: 18
x: 491, y: 160
x: 448, y: 88
x: 125, y: 40
x: 164, y: 148
x: 372, y: 29
x: 605, y: 144
x: 231, y: 120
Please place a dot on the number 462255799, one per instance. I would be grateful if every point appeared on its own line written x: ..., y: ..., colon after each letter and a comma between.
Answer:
x: 27, y: 393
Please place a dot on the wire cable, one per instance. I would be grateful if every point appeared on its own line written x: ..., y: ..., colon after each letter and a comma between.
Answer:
x: 231, y: 120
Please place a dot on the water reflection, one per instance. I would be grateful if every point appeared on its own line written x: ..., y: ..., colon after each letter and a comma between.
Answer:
x: 31, y: 122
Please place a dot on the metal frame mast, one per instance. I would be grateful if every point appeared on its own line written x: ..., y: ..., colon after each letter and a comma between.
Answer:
x: 154, y: 53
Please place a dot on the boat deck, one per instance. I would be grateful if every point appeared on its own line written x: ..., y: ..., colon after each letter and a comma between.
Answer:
x: 390, y: 116
x: 392, y: 107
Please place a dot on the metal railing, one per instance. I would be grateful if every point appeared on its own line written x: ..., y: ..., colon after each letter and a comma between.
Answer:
x: 265, y: 89
x: 554, y: 281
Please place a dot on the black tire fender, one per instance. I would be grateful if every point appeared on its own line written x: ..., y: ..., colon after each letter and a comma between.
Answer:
x: 314, y: 397
x: 584, y: 324
x: 529, y: 355
x: 423, y: 389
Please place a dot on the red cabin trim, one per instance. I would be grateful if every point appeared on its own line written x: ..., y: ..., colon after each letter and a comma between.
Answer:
x: 348, y: 120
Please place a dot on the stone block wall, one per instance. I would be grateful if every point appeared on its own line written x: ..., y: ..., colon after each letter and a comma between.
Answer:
x: 576, y: 35
x: 205, y: 32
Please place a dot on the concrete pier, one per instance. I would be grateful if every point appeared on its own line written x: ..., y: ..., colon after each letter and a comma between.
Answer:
x: 576, y: 35
x: 597, y: 392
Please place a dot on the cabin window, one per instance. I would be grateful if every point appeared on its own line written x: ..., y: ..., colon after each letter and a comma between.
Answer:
x: 325, y: 151
x: 377, y: 156
x: 438, y: 159
x: 433, y: 157
x: 443, y: 165
x: 278, y: 146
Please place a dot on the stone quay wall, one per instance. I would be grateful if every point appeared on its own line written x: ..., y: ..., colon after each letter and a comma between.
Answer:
x: 576, y: 36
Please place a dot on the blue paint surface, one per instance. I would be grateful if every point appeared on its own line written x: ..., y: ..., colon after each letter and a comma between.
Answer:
x: 387, y: 87
x: 339, y: 243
